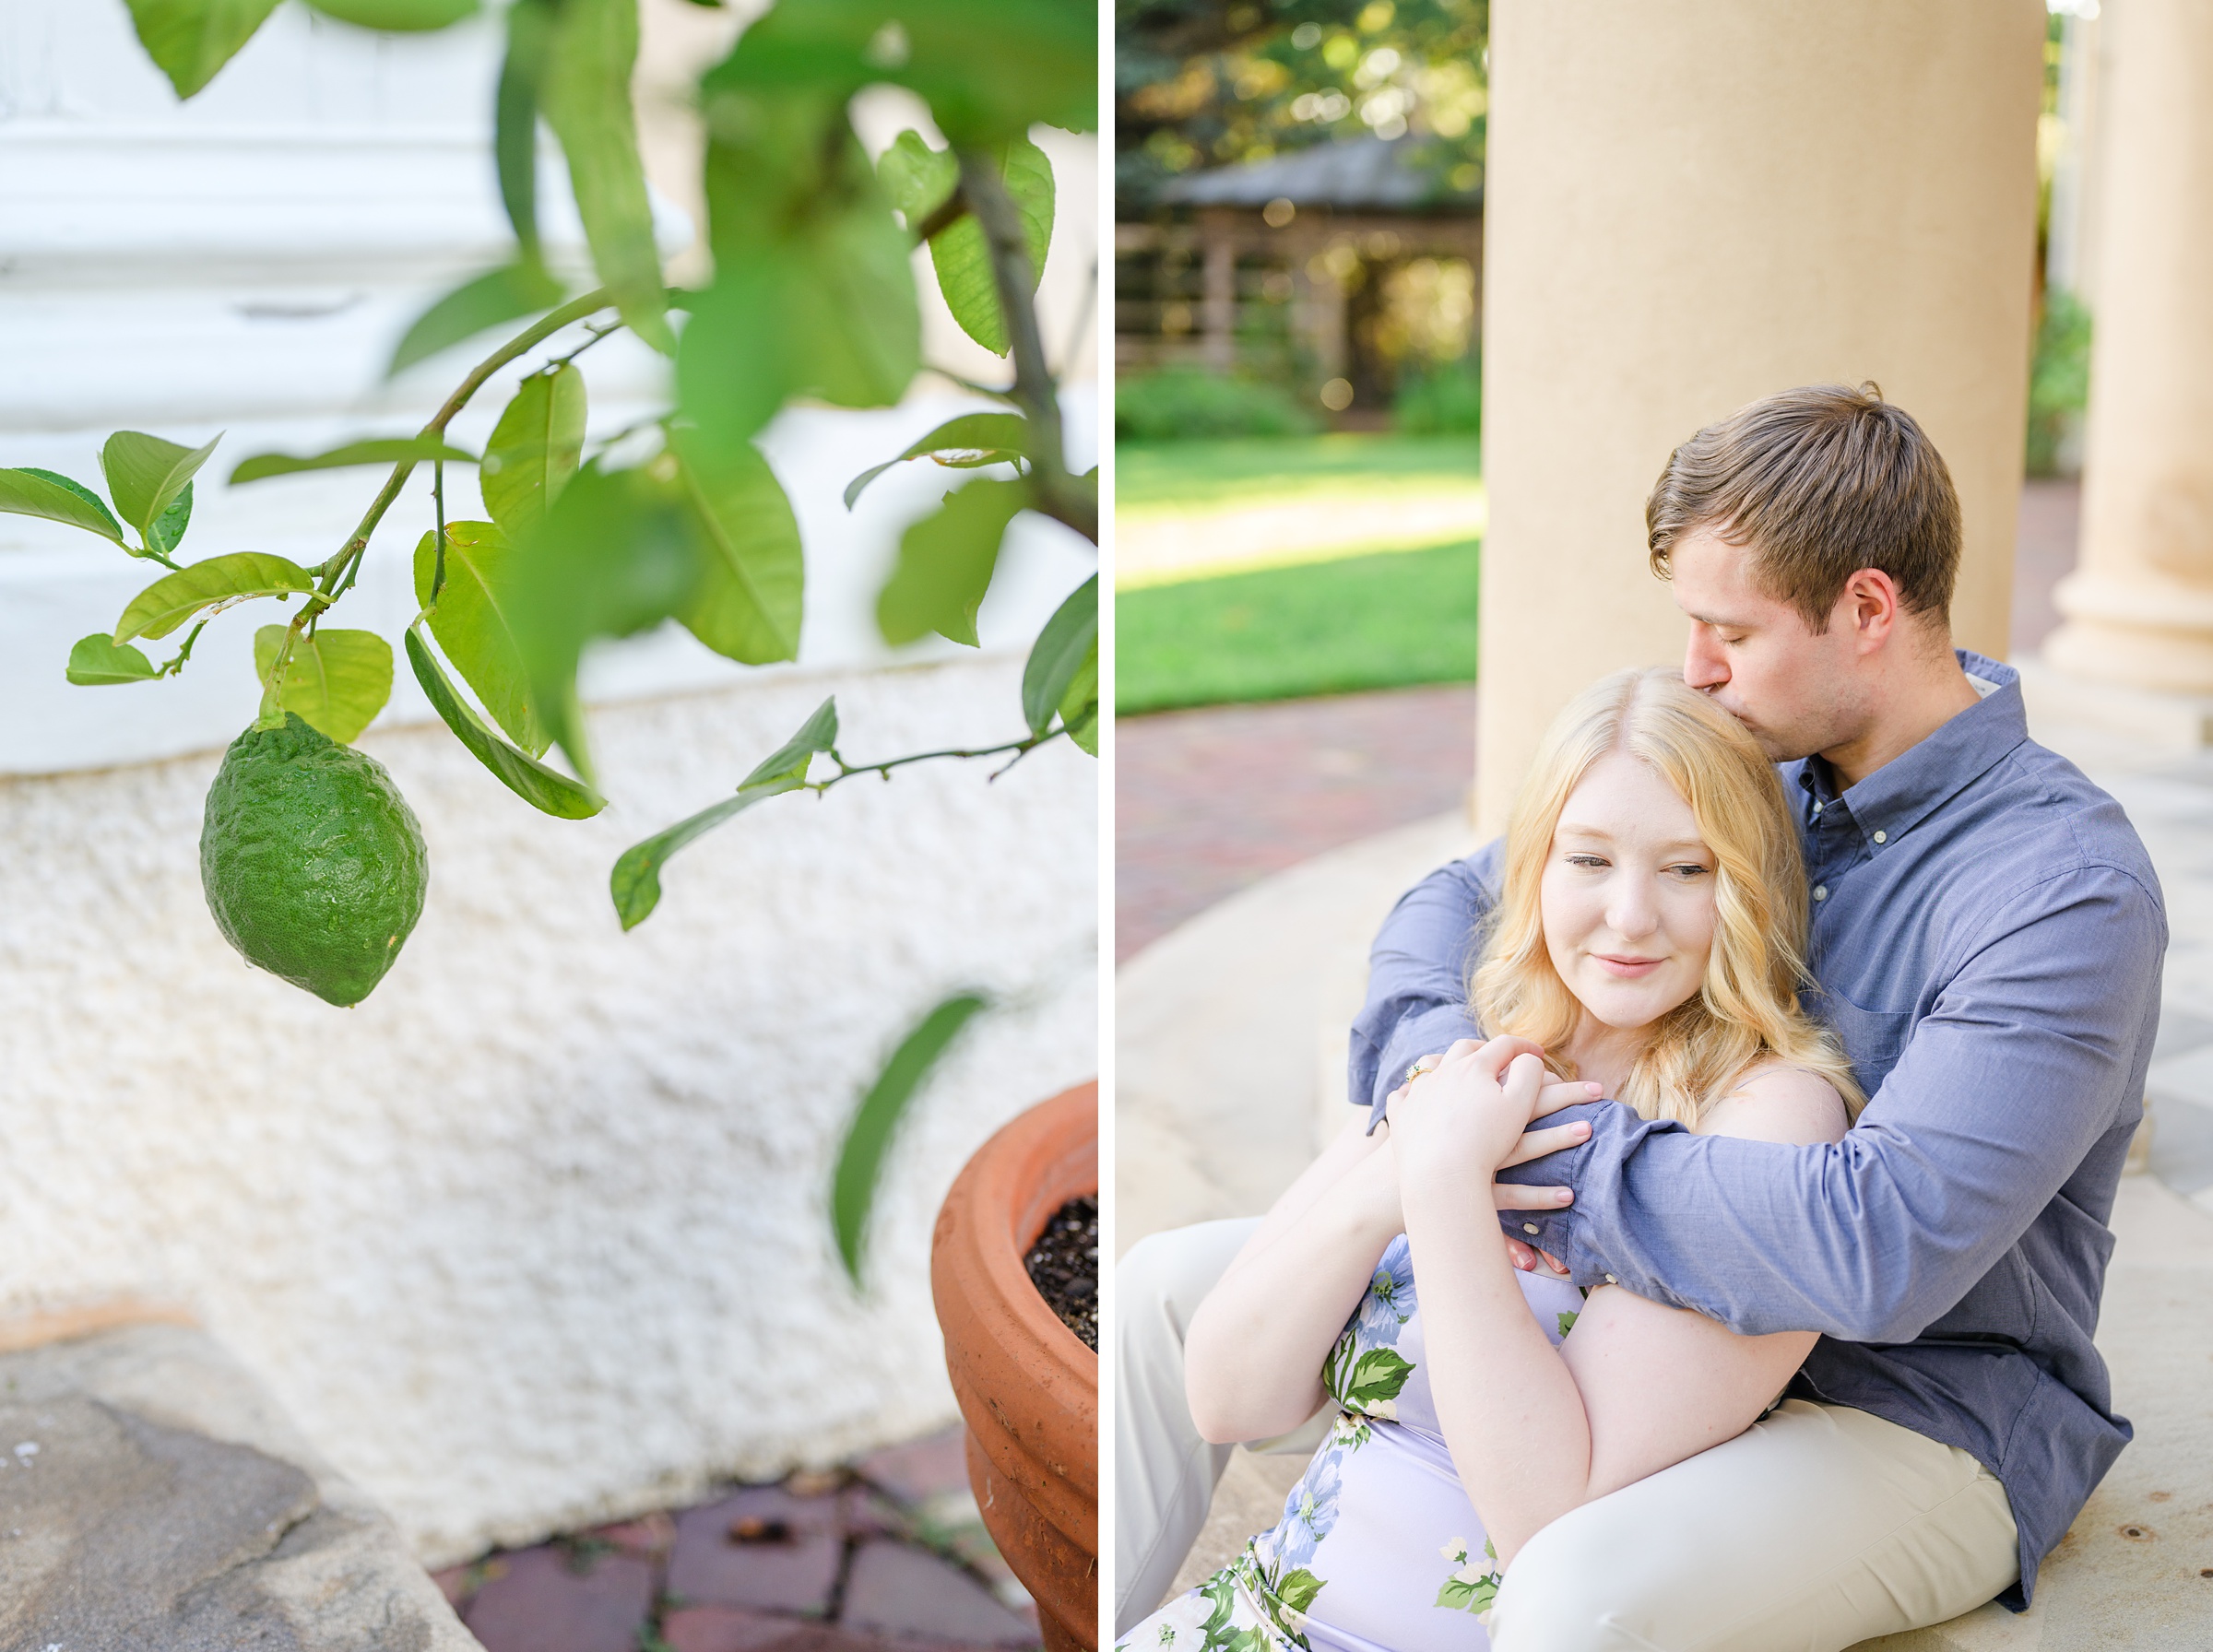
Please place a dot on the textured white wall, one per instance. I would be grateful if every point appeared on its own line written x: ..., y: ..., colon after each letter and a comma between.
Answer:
x: 537, y: 1234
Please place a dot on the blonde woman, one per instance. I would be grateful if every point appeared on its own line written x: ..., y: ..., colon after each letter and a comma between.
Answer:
x: 1647, y: 945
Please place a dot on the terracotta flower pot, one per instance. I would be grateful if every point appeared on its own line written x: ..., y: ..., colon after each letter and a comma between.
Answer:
x: 1027, y: 1386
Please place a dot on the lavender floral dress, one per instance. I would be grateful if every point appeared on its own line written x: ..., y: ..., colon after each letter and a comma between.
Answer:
x: 1379, y: 1549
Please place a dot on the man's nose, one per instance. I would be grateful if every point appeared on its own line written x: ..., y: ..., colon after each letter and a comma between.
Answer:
x: 1703, y: 664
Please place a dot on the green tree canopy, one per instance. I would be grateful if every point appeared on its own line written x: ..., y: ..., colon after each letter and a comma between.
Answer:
x: 1202, y: 83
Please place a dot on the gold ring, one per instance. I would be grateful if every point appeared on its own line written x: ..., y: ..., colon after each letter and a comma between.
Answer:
x: 1416, y: 1068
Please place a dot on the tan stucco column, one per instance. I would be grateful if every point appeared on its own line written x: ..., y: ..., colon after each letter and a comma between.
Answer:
x: 1692, y: 205
x: 2139, y: 608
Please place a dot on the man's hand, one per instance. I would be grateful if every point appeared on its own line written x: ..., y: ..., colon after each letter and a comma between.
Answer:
x: 1533, y: 1143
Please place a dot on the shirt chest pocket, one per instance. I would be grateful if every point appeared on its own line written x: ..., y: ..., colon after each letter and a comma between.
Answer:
x: 1871, y: 1038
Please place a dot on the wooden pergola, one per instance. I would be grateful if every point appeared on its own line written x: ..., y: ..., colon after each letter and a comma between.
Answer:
x: 1265, y: 266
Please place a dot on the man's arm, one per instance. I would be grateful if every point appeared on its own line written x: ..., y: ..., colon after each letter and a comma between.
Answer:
x: 2028, y: 1057
x: 1417, y: 974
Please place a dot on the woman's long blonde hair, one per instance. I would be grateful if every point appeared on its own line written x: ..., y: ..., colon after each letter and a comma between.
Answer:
x: 1746, y: 1009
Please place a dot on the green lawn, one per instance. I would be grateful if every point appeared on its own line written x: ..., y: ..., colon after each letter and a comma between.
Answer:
x: 1155, y: 476
x: 1377, y: 621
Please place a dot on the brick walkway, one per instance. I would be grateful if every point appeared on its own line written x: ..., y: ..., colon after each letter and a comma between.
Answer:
x: 887, y: 1554
x: 1210, y: 800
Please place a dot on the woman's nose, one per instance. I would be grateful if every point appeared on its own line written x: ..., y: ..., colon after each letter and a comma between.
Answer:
x: 1632, y: 912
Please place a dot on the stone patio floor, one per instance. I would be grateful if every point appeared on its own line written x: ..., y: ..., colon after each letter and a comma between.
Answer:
x: 888, y: 1555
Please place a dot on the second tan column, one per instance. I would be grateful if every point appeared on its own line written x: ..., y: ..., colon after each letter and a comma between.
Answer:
x: 1692, y: 205
x: 2140, y: 608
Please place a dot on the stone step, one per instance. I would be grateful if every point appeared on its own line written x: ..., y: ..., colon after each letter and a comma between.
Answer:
x: 154, y: 1496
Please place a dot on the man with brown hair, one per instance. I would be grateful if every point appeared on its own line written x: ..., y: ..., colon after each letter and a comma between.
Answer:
x: 1986, y: 936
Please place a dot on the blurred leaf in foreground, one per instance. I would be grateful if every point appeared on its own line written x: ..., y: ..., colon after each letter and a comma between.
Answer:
x: 860, y: 1159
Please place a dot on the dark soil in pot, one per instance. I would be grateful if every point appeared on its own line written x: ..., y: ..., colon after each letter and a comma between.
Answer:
x: 1064, y: 1265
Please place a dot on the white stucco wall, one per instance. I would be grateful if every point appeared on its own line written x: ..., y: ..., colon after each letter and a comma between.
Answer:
x: 537, y: 1234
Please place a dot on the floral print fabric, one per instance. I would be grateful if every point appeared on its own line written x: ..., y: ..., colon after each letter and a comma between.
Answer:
x: 1379, y: 1549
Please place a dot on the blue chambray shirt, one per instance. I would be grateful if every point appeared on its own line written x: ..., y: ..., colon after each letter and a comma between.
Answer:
x: 1987, y: 936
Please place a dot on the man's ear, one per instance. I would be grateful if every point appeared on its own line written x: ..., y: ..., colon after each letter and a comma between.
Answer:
x: 1869, y: 607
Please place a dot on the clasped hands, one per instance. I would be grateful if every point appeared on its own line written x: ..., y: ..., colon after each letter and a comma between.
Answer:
x: 1467, y: 1115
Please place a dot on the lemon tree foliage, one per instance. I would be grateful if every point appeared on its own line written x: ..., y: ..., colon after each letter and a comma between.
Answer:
x: 335, y: 680
x: 534, y: 448
x: 461, y: 596
x: 921, y: 181
x: 313, y: 864
x: 30, y: 493
x: 963, y: 443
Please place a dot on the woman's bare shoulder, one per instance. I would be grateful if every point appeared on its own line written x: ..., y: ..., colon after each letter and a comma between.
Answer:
x: 1777, y: 1102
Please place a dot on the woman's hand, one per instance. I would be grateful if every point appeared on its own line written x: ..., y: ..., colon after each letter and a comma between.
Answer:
x: 1467, y: 1116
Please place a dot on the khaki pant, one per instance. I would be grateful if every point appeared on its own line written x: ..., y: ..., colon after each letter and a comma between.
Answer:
x: 1818, y: 1528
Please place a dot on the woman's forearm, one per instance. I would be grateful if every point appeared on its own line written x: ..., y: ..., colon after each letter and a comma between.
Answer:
x: 1352, y: 1147
x: 1510, y: 1410
x: 1254, y: 1351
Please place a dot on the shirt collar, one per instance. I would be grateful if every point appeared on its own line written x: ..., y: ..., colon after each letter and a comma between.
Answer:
x: 1900, y: 793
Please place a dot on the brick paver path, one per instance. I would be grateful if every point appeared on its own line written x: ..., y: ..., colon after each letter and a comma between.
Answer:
x: 888, y: 1555
x: 1210, y: 800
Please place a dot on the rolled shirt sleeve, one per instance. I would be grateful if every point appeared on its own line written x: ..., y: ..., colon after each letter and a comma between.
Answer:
x: 1417, y: 980
x: 2029, y: 1053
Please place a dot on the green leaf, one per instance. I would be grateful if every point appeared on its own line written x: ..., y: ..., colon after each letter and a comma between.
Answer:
x: 404, y: 17
x: 191, y: 39
x: 614, y: 556
x: 29, y: 492
x: 1567, y: 1322
x: 1080, y: 704
x: 533, y: 782
x: 963, y: 259
x: 388, y: 451
x: 96, y: 660
x: 988, y: 69
x: 507, y: 293
x: 168, y: 531
x: 584, y: 95
x: 220, y: 581
x: 336, y: 681
x: 869, y: 1137
x: 514, y: 121
x: 146, y: 474
x: 917, y: 177
x: 963, y: 443
x: 472, y: 626
x: 945, y: 564
x: 752, y: 571
x: 635, y: 882
x: 1057, y: 656
x: 814, y: 291
x: 789, y: 761
x: 534, y: 448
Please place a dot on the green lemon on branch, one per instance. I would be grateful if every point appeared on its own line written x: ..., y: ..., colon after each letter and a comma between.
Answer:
x: 313, y: 863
